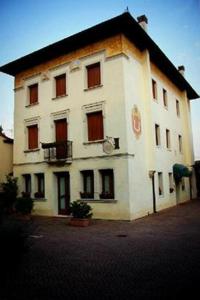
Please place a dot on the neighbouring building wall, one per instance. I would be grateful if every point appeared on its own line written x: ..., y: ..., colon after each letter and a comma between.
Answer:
x: 6, y: 158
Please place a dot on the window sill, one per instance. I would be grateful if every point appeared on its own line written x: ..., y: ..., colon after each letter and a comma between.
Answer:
x: 32, y: 104
x: 39, y: 199
x: 94, y: 142
x: 93, y: 87
x: 32, y: 150
x: 58, y: 97
x: 99, y: 200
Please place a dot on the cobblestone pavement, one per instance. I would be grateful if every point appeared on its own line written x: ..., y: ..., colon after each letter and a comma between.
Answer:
x: 157, y: 257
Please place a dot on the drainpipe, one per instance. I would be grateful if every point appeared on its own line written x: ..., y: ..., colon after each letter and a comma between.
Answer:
x: 151, y: 175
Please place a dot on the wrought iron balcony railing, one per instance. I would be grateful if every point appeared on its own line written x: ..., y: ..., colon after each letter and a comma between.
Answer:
x: 58, y: 151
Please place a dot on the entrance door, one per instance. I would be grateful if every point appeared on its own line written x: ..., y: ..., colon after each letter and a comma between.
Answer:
x: 63, y: 193
x: 61, y: 136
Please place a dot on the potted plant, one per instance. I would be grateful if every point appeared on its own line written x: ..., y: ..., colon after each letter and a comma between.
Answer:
x: 81, y: 213
x: 106, y: 195
x: 39, y: 195
x: 86, y: 195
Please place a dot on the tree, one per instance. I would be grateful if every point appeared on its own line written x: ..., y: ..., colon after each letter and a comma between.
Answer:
x: 1, y: 129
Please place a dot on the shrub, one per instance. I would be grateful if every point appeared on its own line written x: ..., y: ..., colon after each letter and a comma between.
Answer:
x: 10, y: 189
x: 80, y: 210
x: 24, y: 205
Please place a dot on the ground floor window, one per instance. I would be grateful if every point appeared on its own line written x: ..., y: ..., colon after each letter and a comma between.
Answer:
x: 40, y: 186
x: 27, y: 185
x: 160, y: 183
x: 107, y: 180
x: 171, y: 184
x: 88, y: 184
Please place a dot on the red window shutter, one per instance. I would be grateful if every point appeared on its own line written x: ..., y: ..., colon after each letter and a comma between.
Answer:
x: 94, y: 75
x: 33, y: 91
x: 95, y: 126
x: 33, y: 137
x: 60, y: 85
x: 61, y: 130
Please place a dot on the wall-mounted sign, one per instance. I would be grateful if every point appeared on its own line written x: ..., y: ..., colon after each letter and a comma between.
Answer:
x: 136, y: 121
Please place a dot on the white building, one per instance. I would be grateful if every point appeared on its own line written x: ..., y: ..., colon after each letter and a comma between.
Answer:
x: 110, y: 80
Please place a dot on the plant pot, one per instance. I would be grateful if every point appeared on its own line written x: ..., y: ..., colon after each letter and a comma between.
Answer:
x: 79, y: 222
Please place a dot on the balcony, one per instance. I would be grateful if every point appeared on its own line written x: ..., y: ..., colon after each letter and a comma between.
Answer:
x: 58, y: 152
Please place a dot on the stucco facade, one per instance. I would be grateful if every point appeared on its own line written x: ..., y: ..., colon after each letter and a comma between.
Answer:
x: 6, y: 156
x: 126, y: 75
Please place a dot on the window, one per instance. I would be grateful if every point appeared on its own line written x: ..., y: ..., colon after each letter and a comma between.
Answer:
x: 160, y: 183
x: 32, y: 137
x: 165, y: 98
x: 60, y: 85
x: 33, y: 94
x: 168, y: 143
x: 61, y: 138
x: 93, y: 75
x: 157, y: 134
x: 107, y: 178
x: 171, y: 184
x: 95, y: 126
x: 88, y: 184
x: 177, y: 108
x: 27, y: 185
x: 180, y: 143
x: 40, y: 186
x: 154, y: 89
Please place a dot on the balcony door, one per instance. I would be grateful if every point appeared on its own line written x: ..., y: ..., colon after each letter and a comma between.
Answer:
x: 63, y: 192
x: 61, y: 138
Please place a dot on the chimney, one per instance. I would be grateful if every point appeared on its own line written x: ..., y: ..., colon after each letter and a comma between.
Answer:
x: 143, y: 21
x: 181, y: 70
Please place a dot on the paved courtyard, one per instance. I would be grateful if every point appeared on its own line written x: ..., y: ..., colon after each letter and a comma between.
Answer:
x: 157, y: 257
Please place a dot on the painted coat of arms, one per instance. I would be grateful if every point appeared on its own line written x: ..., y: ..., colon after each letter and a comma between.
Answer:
x: 136, y: 121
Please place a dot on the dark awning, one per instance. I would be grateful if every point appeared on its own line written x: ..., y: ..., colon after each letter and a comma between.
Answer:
x: 180, y: 171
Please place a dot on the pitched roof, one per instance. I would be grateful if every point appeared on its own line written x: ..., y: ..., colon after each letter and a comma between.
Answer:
x: 123, y: 23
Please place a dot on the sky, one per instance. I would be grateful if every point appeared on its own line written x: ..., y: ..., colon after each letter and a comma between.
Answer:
x: 28, y: 25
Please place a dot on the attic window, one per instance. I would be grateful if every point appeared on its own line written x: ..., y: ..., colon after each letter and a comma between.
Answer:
x: 93, y: 75
x: 33, y: 93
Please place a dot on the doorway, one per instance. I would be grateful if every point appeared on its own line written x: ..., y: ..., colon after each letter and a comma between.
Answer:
x: 63, y: 187
x: 61, y: 138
